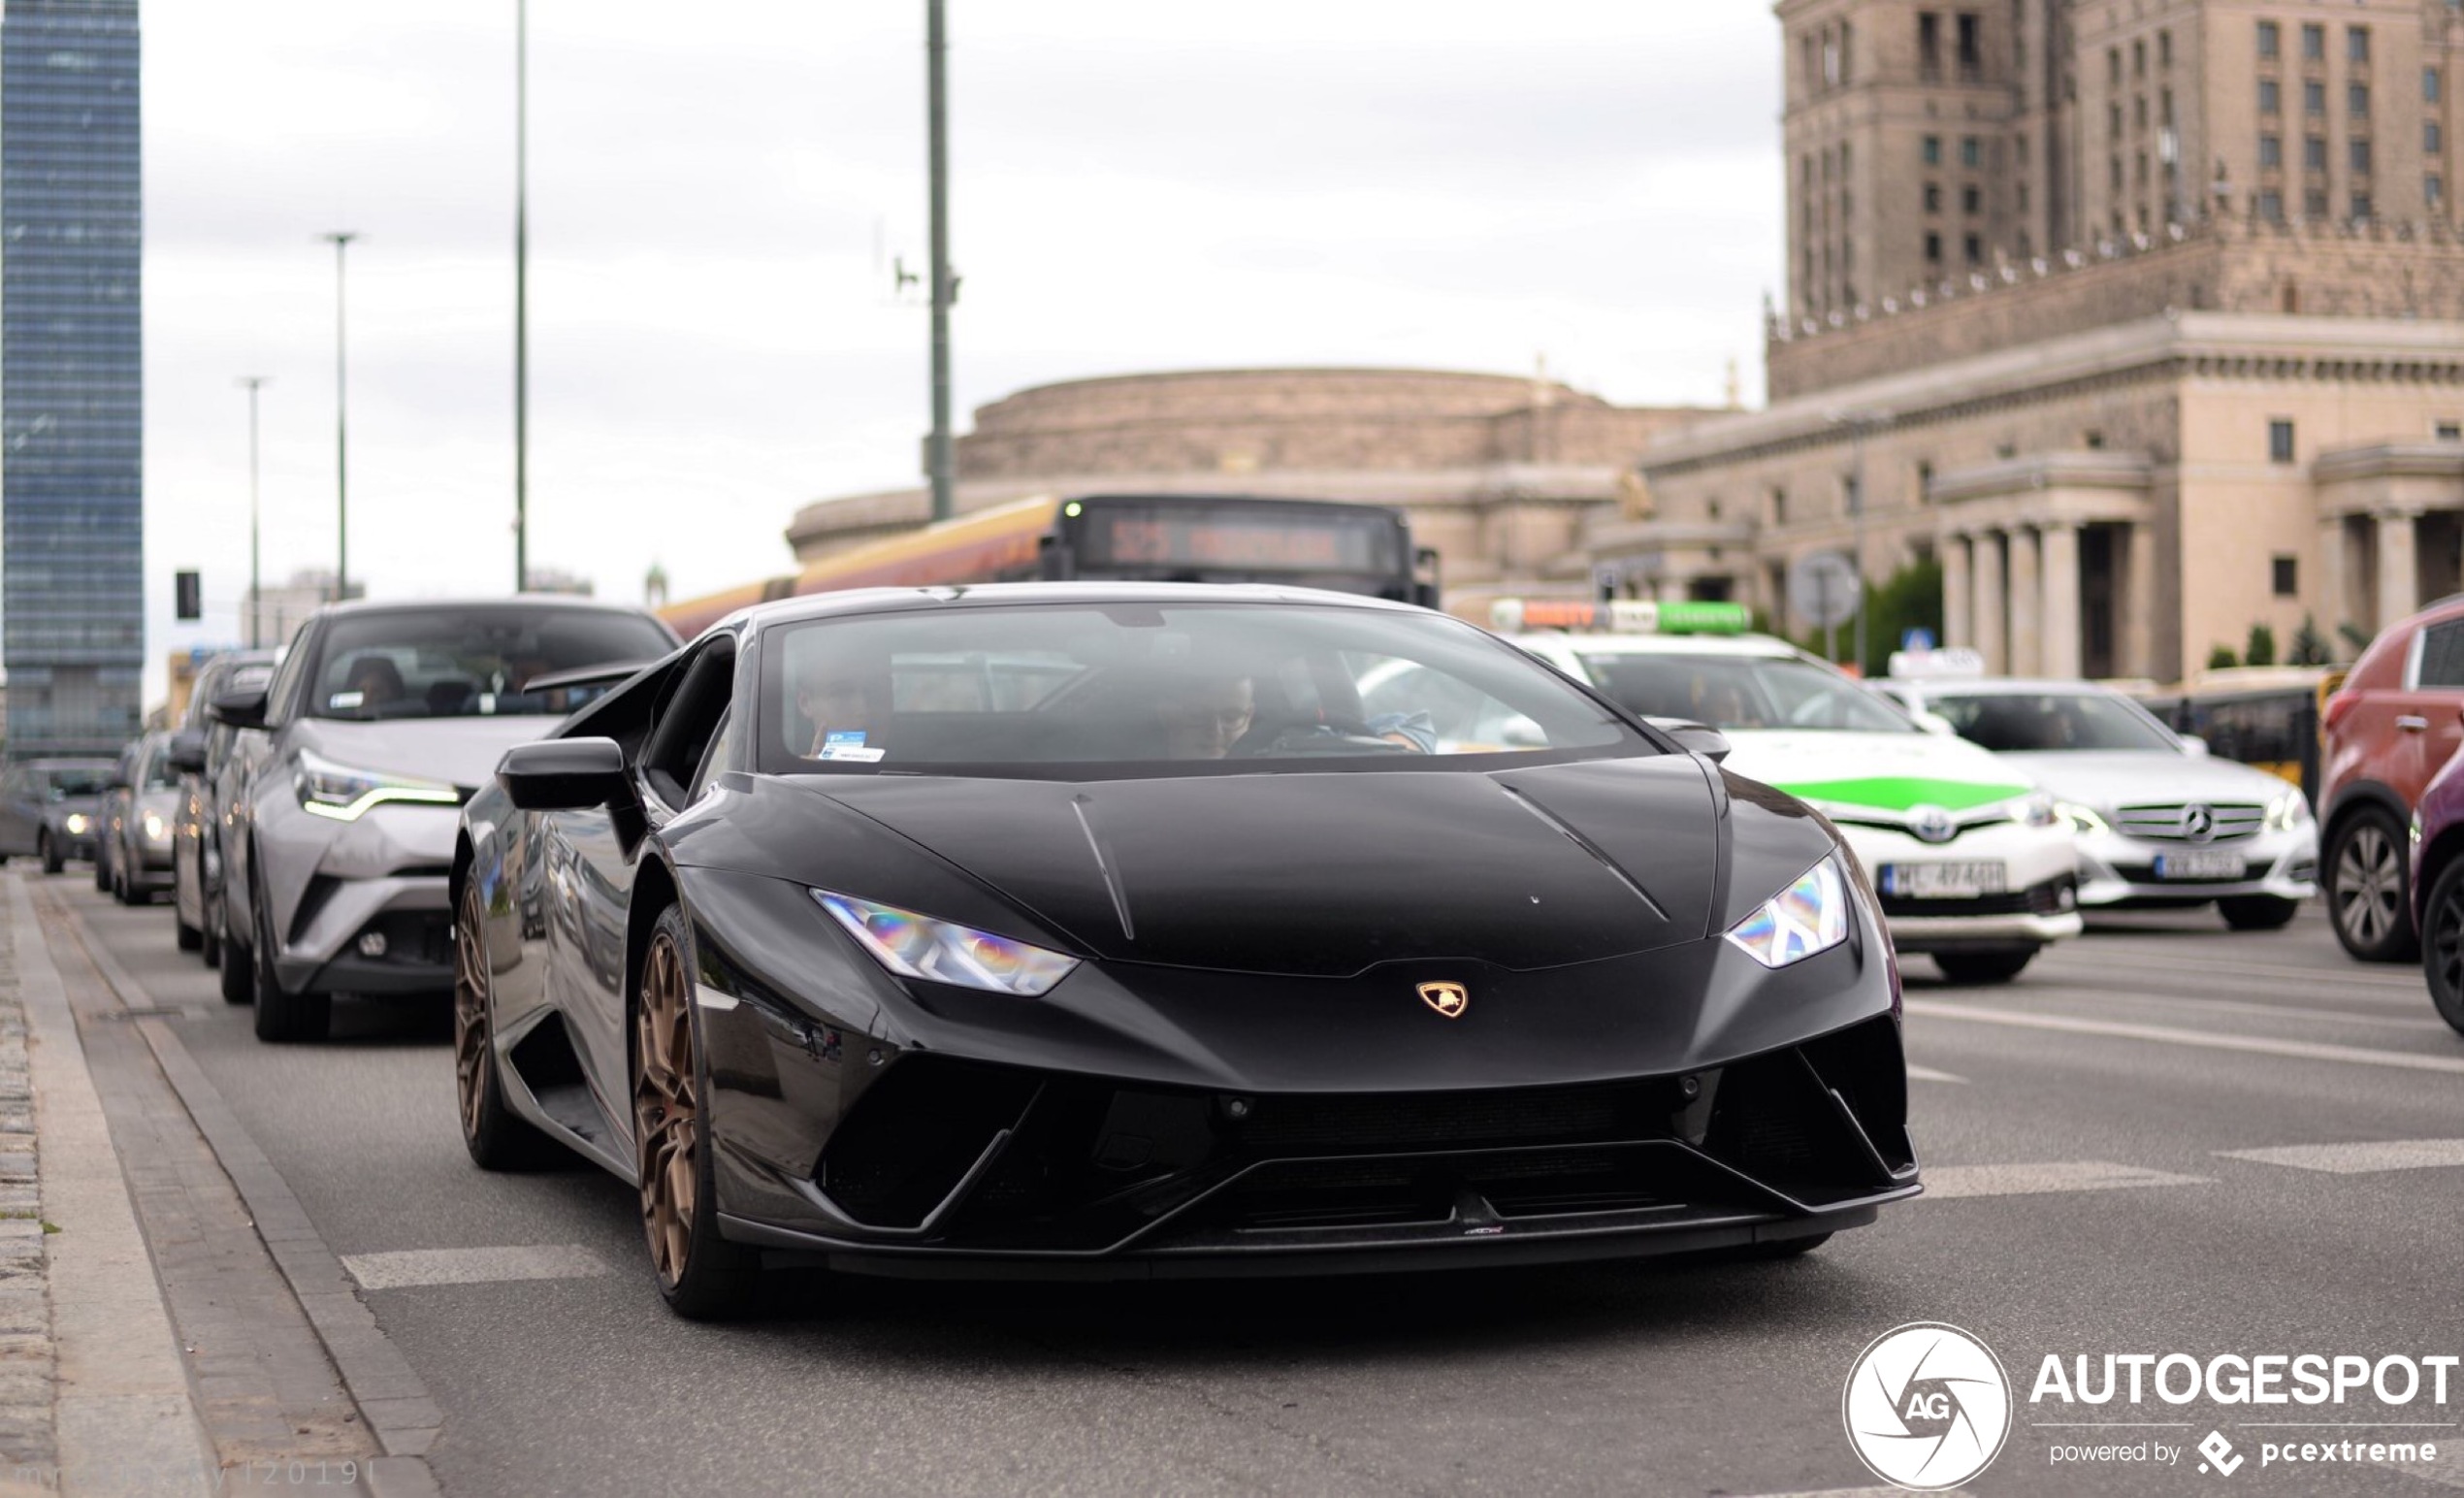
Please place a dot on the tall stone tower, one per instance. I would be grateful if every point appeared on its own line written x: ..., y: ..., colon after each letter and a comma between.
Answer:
x: 1932, y: 139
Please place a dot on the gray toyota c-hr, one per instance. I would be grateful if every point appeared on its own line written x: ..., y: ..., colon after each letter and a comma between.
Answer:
x: 381, y: 720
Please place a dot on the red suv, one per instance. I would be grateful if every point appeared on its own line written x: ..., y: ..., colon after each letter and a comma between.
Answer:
x: 2391, y: 727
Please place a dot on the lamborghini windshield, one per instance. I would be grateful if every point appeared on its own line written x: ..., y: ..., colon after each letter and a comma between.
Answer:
x: 1174, y: 688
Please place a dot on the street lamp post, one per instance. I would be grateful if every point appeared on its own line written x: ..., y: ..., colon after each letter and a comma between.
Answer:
x: 521, y: 295
x: 937, y: 90
x: 252, y: 383
x: 1861, y: 425
x: 340, y: 240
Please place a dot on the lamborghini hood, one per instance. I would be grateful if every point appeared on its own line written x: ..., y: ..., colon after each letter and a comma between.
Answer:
x: 1332, y: 874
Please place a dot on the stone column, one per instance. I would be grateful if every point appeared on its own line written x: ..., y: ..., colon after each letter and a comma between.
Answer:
x: 2026, y: 603
x: 2333, y: 604
x: 1956, y: 595
x: 1985, y: 616
x: 2399, y: 572
x: 2140, y: 598
x: 2057, y: 646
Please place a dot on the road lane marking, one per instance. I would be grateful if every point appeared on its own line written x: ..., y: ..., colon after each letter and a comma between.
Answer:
x: 2359, y: 1159
x: 410, y: 1267
x: 1862, y: 1492
x: 2259, y: 1045
x: 2243, y: 1007
x: 2035, y: 1180
x: 1917, y: 1073
x: 2399, y: 980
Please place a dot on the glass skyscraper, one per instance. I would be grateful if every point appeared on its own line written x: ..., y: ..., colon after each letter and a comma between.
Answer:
x: 71, y: 454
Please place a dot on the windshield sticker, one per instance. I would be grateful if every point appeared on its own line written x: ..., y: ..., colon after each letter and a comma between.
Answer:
x: 834, y: 750
x: 844, y: 738
x: 344, y: 702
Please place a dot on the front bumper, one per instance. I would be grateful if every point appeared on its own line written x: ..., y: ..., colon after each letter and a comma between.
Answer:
x: 964, y: 1169
x: 2118, y: 870
x: 2037, y: 905
x: 374, y: 917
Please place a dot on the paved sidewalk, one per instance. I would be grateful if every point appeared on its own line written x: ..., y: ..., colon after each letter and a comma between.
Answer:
x: 93, y: 1396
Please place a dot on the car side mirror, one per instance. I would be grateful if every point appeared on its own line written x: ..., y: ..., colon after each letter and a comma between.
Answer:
x: 238, y: 710
x: 565, y: 774
x: 1934, y: 723
x: 2195, y: 746
x: 1700, y: 738
x: 187, y: 754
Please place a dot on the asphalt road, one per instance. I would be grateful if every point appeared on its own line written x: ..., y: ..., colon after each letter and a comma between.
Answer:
x: 2079, y: 1129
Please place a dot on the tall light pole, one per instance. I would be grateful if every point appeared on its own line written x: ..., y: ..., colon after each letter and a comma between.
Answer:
x: 340, y: 240
x: 521, y: 295
x: 937, y: 106
x: 252, y: 383
x: 1860, y: 425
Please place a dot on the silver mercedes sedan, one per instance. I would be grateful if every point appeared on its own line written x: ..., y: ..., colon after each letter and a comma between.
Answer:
x: 381, y: 722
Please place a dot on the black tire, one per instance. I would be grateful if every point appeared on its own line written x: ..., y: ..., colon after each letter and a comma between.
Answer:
x: 283, y: 1017
x: 2258, y: 912
x: 497, y: 1138
x: 102, y: 866
x: 188, y: 936
x: 2370, y: 888
x: 50, y: 853
x: 701, y: 1275
x: 238, y: 973
x: 2443, y: 944
x: 1998, y: 965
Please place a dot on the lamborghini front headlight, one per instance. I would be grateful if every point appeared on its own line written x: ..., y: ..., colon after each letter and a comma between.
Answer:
x: 1807, y: 918
x: 916, y: 946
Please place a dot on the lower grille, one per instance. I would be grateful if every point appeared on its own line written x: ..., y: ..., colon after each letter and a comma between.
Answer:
x: 2051, y: 898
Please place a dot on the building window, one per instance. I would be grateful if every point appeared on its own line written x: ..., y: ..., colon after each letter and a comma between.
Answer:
x: 2434, y: 190
x: 1932, y: 151
x: 2360, y: 207
x: 2314, y: 42
x: 2430, y: 89
x: 2450, y: 430
x: 2313, y: 204
x: 2116, y: 173
x: 2113, y: 121
x: 1934, y: 197
x: 2357, y: 100
x: 1779, y: 506
x: 1971, y: 48
x: 2314, y: 98
x: 2433, y: 139
x: 1933, y: 248
x: 2165, y: 111
x: 2360, y: 158
x: 2271, y: 39
x: 1975, y: 250
x: 2271, y: 97
x: 2286, y: 576
x: 2280, y: 440
x: 2093, y: 441
x: 1972, y: 151
x: 1972, y: 199
x: 2113, y: 66
x: 2356, y: 43
x: 2271, y: 152
x: 2022, y: 207
x: 2314, y: 153
x: 2164, y: 49
x: 2271, y: 207
x: 1928, y: 46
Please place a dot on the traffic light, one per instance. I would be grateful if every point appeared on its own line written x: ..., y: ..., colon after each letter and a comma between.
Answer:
x: 188, y: 595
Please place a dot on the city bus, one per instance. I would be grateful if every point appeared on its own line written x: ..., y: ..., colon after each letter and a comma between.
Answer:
x: 1220, y: 538
x: 2265, y: 716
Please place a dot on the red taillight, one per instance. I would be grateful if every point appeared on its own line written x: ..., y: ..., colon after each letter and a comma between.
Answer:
x: 2339, y: 707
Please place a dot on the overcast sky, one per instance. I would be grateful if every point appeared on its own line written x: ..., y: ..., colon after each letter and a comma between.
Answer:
x: 716, y: 191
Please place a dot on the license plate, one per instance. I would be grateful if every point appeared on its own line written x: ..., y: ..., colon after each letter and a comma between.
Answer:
x: 1944, y: 881
x: 2206, y: 863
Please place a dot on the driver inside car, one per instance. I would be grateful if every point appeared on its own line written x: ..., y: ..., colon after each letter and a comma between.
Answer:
x: 1203, y: 716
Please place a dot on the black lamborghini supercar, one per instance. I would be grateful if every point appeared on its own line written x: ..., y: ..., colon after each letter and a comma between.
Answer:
x: 1143, y: 930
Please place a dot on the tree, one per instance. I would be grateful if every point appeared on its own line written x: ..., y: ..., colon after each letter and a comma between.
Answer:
x: 2310, y: 647
x: 2261, y: 648
x: 2221, y: 659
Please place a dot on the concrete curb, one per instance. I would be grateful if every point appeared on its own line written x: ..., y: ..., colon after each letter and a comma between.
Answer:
x: 391, y: 1397
x: 125, y: 1417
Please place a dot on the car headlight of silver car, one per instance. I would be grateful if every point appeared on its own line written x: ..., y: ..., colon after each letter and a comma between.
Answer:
x: 157, y: 828
x: 2288, y: 811
x: 345, y: 793
x: 2037, y: 810
x: 1809, y: 918
x: 2082, y: 818
x: 917, y: 946
x: 76, y: 824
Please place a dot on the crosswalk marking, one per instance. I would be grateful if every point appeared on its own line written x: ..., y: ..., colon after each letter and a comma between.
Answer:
x: 410, y: 1267
x: 1917, y: 1073
x: 2360, y: 1158
x: 2261, y: 1045
x: 2031, y: 1180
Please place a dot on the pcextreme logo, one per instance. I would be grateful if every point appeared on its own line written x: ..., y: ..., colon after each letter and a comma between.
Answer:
x: 1927, y: 1407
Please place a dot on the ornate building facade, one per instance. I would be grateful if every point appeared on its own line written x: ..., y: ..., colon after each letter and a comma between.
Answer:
x: 2144, y: 318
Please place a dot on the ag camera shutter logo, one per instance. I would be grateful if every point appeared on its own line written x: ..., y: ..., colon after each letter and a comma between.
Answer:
x: 1927, y: 1407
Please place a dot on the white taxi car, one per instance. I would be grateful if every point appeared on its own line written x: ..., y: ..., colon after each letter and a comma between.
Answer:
x: 1972, y: 864
x: 2159, y: 823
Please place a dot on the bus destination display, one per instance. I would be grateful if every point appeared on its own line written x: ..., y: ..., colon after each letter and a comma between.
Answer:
x: 1224, y: 542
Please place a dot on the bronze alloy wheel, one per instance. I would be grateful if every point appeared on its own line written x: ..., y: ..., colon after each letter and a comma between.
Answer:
x: 667, y: 1114
x: 470, y: 1011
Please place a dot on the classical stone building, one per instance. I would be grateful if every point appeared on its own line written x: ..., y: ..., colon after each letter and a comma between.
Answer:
x: 1500, y: 474
x: 2144, y: 318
